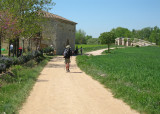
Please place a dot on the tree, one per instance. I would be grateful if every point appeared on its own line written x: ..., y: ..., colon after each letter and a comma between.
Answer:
x: 8, y: 26
x: 80, y: 37
x: 87, y: 38
x: 155, y: 35
x: 132, y: 39
x: 133, y: 33
x: 125, y: 41
x: 107, y: 38
x: 121, y: 32
x: 142, y: 34
x: 92, y: 41
x: 28, y: 15
x: 146, y: 32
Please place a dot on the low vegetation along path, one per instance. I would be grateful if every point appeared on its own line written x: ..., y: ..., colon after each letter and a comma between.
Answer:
x: 58, y: 92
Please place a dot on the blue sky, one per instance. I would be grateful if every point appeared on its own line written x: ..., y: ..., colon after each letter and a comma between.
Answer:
x: 98, y: 16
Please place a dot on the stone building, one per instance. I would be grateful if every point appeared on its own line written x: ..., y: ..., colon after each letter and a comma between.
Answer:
x: 121, y: 41
x: 58, y: 32
x: 118, y: 41
x: 133, y: 42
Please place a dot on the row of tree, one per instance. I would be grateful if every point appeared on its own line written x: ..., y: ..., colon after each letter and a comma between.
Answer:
x: 21, y: 19
x: 81, y: 37
x: 151, y: 34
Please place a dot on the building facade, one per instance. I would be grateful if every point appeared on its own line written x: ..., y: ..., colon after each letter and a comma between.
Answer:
x: 58, y: 32
x: 132, y: 42
x: 121, y: 41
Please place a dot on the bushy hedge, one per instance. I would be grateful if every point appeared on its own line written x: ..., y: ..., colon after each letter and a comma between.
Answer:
x: 6, y: 62
x: 48, y: 50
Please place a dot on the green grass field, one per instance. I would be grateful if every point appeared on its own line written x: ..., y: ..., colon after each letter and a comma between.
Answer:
x: 133, y: 74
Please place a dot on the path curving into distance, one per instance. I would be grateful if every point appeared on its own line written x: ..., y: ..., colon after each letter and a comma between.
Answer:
x: 58, y: 92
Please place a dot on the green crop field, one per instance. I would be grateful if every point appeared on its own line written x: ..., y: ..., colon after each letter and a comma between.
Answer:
x: 132, y: 74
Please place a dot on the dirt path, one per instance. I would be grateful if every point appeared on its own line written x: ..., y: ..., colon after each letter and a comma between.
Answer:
x: 97, y: 52
x: 58, y: 92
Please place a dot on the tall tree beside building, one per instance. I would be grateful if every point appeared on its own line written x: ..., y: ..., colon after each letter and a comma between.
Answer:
x: 80, y: 37
x: 27, y: 13
x: 9, y: 27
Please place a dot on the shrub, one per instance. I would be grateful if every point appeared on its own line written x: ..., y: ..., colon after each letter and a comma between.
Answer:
x: 2, y: 67
x: 92, y: 41
x: 48, y: 50
x: 39, y: 59
x: 6, y: 62
x: 15, y: 71
x: 31, y: 63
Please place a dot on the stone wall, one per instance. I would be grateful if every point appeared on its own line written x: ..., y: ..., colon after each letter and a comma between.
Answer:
x: 49, y: 33
x: 118, y: 41
x: 65, y: 36
x: 59, y: 34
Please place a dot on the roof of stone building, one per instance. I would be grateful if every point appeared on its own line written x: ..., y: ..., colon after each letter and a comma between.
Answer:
x: 50, y: 15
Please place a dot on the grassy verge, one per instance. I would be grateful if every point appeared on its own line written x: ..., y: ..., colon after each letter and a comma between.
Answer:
x: 16, y: 89
x: 132, y: 74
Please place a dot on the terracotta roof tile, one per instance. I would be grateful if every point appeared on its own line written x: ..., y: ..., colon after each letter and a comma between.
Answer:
x: 50, y: 15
